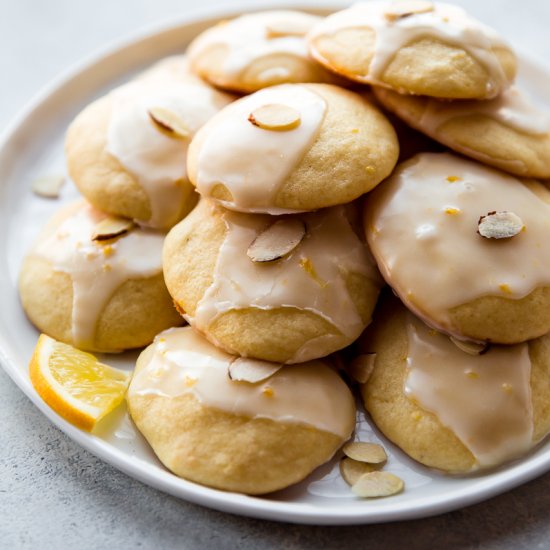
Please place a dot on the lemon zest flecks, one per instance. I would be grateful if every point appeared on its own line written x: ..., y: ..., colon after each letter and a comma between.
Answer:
x: 452, y: 211
x: 307, y: 266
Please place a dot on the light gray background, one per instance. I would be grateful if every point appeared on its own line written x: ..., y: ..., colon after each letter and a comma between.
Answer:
x: 53, y: 494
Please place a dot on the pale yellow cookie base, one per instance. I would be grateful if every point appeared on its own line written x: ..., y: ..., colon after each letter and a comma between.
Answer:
x: 266, y: 70
x: 134, y: 314
x: 100, y: 177
x: 282, y: 68
x: 355, y: 150
x: 226, y: 451
x: 478, y: 136
x: 502, y: 320
x: 190, y: 254
x: 424, y: 67
x: 418, y: 432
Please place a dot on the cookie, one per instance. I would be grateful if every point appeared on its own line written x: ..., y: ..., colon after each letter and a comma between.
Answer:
x: 256, y: 51
x: 126, y: 152
x: 248, y: 437
x: 100, y: 295
x: 465, y: 247
x: 294, y: 147
x: 305, y: 289
x: 415, y: 47
x: 173, y: 67
x: 452, y: 410
x: 508, y: 132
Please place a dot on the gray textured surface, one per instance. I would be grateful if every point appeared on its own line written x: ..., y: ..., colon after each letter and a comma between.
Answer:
x: 53, y: 494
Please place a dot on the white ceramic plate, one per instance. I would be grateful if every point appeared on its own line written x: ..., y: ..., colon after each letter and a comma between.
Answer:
x: 33, y: 146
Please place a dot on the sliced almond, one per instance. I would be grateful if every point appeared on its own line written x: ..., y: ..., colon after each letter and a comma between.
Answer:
x: 112, y: 227
x: 377, y: 484
x: 365, y: 452
x: 405, y: 8
x: 278, y: 240
x: 278, y: 29
x: 499, y: 225
x: 244, y: 369
x: 48, y: 186
x: 473, y: 348
x: 351, y: 470
x: 169, y: 122
x: 361, y: 367
x: 275, y: 117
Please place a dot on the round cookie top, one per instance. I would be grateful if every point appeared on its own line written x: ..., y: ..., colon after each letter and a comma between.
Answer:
x: 294, y: 147
x: 450, y: 409
x: 257, y: 50
x: 127, y: 151
x: 289, y: 289
x: 184, y: 362
x: 416, y: 47
x: 465, y: 247
x: 509, y: 132
x: 237, y: 424
x: 99, y: 253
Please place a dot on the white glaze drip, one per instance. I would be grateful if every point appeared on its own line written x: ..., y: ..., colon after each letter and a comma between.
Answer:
x: 422, y: 229
x: 183, y: 362
x: 96, y: 270
x: 252, y: 162
x: 448, y: 23
x: 158, y: 161
x: 246, y: 40
x: 512, y: 108
x: 485, y: 399
x: 312, y: 277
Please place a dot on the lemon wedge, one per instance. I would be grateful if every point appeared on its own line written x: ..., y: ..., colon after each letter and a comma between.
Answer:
x: 74, y: 383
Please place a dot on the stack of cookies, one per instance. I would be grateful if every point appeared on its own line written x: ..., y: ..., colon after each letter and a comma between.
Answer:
x: 94, y: 277
x: 460, y: 362
x: 287, y: 212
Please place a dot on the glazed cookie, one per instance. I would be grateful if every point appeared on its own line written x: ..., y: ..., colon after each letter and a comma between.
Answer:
x: 126, y: 152
x: 306, y: 288
x: 449, y: 409
x: 257, y: 50
x: 415, y: 47
x: 95, y: 292
x: 174, y: 67
x: 251, y: 437
x: 293, y: 147
x: 465, y: 247
x: 508, y: 132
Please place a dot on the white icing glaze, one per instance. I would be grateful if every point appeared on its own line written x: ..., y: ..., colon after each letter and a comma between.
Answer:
x: 246, y: 40
x: 449, y: 23
x: 485, y: 399
x: 155, y: 159
x: 252, y: 162
x: 184, y: 362
x: 512, y: 108
x: 312, y: 277
x: 422, y: 229
x: 96, y: 270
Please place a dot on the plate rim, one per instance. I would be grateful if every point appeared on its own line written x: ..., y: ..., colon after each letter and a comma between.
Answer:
x: 164, y: 480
